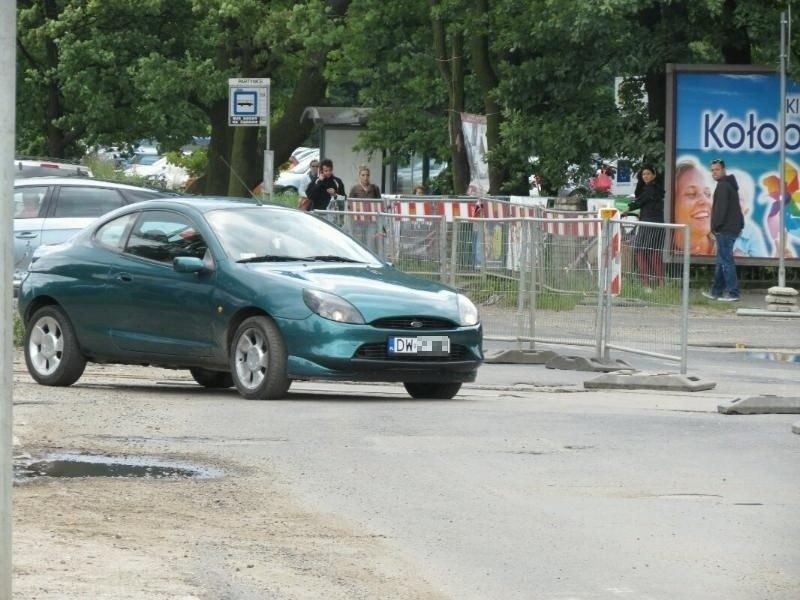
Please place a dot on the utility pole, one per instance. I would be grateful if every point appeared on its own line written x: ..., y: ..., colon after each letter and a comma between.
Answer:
x: 8, y: 65
x: 784, y: 54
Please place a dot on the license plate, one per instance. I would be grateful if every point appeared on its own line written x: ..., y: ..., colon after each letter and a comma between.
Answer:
x: 428, y: 345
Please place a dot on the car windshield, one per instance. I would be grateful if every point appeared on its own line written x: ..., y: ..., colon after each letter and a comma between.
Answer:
x: 263, y: 234
x: 145, y: 159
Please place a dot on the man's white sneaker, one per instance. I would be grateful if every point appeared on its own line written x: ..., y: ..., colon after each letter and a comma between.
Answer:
x: 710, y: 296
x: 728, y: 299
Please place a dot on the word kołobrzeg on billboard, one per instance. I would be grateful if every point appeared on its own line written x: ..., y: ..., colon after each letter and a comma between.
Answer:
x: 734, y: 115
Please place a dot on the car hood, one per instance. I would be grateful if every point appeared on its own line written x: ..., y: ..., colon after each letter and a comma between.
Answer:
x: 376, y: 292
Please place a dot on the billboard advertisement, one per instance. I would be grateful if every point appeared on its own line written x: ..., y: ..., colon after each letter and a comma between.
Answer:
x: 734, y: 115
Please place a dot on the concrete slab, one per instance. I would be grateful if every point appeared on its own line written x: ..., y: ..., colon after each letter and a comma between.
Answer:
x: 765, y: 404
x: 642, y: 380
x: 520, y: 357
x: 758, y: 312
x: 583, y: 363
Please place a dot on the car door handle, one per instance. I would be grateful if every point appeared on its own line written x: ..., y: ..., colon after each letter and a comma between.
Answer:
x: 26, y: 235
x: 125, y: 277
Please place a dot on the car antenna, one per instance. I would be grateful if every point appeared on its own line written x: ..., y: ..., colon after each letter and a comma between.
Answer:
x: 235, y: 174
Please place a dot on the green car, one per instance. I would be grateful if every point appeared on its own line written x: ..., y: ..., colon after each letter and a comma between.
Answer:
x: 241, y: 294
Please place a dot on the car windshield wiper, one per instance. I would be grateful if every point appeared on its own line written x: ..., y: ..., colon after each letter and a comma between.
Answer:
x: 269, y: 258
x: 331, y: 258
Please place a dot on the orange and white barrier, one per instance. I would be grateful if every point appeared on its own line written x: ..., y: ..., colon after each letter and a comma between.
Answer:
x: 615, y: 249
x: 576, y: 225
x: 568, y: 224
x: 407, y: 210
x: 365, y: 206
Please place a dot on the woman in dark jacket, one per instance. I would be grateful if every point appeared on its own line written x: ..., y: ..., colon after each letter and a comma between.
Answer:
x: 649, y: 241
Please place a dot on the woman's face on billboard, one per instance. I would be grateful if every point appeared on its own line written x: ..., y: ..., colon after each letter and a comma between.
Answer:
x: 693, y: 208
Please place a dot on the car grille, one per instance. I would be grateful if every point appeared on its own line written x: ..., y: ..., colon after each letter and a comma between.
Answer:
x: 419, y: 323
x: 380, y: 352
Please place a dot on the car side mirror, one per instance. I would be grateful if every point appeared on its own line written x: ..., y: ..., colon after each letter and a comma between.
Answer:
x: 187, y: 264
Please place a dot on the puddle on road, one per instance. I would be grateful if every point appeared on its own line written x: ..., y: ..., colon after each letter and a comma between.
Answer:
x: 776, y: 356
x: 71, y: 465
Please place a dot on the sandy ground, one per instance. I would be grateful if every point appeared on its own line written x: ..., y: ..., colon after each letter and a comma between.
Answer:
x: 236, y: 536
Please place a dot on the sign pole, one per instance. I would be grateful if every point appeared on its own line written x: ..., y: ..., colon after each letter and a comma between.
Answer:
x: 782, y: 159
x: 269, y: 158
x: 248, y: 106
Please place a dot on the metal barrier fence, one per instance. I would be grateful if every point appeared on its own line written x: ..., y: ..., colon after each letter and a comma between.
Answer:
x: 539, y: 275
x: 532, y: 281
x: 650, y: 316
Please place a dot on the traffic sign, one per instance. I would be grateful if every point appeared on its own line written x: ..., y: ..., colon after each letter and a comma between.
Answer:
x: 248, y: 102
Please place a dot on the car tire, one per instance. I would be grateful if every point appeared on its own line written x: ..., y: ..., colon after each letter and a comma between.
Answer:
x: 432, y: 391
x: 52, y: 354
x: 212, y: 379
x: 259, y: 360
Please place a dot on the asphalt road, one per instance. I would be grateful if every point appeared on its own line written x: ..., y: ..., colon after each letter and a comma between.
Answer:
x: 562, y: 494
x: 526, y: 486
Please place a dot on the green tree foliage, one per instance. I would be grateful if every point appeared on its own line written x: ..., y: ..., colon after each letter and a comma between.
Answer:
x: 543, y: 71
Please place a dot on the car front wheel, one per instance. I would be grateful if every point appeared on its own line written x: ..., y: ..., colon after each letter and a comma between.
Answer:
x: 51, y: 349
x: 433, y: 391
x: 212, y: 379
x: 258, y: 360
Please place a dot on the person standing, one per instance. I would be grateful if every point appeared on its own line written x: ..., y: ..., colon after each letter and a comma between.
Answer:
x: 727, y: 223
x: 304, y: 203
x: 326, y: 188
x: 649, y: 241
x: 366, y: 228
x: 364, y: 188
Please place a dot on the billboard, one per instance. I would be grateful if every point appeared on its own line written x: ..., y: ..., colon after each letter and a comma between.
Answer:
x: 732, y: 113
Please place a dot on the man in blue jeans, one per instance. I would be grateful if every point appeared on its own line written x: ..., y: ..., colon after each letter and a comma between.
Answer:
x: 727, y: 223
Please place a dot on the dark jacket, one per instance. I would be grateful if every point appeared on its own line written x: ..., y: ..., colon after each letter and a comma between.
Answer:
x: 650, y: 203
x: 726, y: 212
x: 317, y: 191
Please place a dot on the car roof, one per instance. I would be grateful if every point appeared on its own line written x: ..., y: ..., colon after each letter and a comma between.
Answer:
x: 85, y: 182
x: 206, y: 204
x: 56, y: 166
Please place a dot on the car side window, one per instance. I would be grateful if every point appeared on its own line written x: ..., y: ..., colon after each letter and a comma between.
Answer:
x: 79, y: 201
x: 163, y: 236
x: 112, y: 234
x: 140, y: 195
x: 28, y: 201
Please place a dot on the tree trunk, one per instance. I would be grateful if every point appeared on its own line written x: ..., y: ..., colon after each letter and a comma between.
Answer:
x: 451, y: 68
x: 218, y: 171
x: 244, y: 175
x: 736, y: 39
x: 289, y: 131
x: 54, y: 110
x: 655, y: 85
x: 482, y: 64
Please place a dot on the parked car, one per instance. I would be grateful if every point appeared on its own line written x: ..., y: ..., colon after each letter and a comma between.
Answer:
x: 296, y: 176
x: 43, y: 167
x: 158, y: 171
x: 410, y: 176
x: 141, y: 164
x: 49, y: 210
x: 242, y: 294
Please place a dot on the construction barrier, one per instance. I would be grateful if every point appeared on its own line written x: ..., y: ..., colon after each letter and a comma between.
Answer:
x: 538, y: 275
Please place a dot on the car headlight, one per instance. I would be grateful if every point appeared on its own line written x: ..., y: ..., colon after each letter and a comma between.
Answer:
x: 330, y: 306
x: 467, y: 311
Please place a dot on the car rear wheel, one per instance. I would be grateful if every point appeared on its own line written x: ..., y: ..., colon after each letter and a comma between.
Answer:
x: 433, y: 391
x: 51, y: 349
x: 258, y: 360
x: 212, y: 379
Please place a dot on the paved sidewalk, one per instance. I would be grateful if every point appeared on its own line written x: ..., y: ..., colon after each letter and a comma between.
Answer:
x: 721, y: 327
